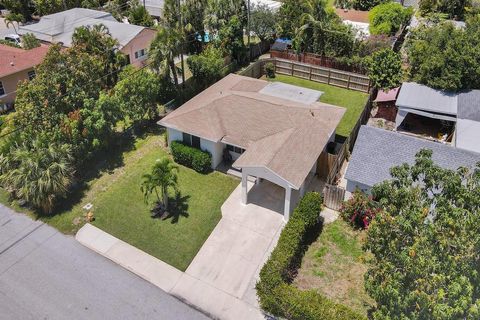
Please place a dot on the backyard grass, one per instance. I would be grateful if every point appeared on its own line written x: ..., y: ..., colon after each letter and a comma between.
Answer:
x: 119, y: 207
x: 335, y: 265
x: 353, y: 101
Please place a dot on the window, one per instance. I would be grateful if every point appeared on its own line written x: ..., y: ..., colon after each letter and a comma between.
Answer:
x: 196, y: 142
x: 31, y: 75
x: 187, y: 139
x: 140, y: 53
x: 235, y: 149
x: 2, y: 89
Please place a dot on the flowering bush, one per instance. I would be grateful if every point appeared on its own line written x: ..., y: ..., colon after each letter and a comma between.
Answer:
x: 360, y: 210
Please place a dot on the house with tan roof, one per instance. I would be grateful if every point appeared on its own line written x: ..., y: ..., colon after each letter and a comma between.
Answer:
x: 273, y: 131
x: 17, y: 65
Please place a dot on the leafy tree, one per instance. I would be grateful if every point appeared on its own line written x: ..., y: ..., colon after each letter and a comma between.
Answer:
x: 29, y: 41
x: 163, y: 177
x: 207, y: 66
x: 218, y: 13
x: 322, y: 32
x: 454, y: 9
x: 18, y: 7
x: 385, y: 69
x: 387, y: 18
x: 263, y: 22
x: 426, y: 243
x: 39, y: 173
x: 444, y: 57
x: 138, y: 93
x: 44, y: 7
x: 289, y: 16
x: 166, y: 45
x: 138, y: 15
x: 194, y: 17
x: 231, y: 39
x: 367, y: 4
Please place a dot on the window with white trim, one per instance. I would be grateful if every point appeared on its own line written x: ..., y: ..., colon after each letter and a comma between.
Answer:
x: 2, y: 89
x: 140, y: 53
x: 31, y: 75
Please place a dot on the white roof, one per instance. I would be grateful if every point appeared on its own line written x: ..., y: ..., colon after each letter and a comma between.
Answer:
x: 273, y: 5
x: 419, y: 97
x: 59, y: 27
x: 154, y: 7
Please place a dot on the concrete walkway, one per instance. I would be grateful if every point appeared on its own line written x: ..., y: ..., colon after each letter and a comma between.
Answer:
x: 221, y: 278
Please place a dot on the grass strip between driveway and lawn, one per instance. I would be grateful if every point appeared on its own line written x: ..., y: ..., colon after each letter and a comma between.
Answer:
x: 353, y: 101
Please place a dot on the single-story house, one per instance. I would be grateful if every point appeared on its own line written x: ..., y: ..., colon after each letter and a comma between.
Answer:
x: 273, y: 131
x: 377, y: 150
x: 133, y: 40
x: 462, y: 109
x: 17, y: 65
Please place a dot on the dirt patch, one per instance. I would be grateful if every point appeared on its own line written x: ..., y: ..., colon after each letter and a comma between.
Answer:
x: 353, y: 15
x: 335, y: 265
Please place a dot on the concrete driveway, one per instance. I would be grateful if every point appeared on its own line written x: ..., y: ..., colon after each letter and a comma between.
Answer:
x: 47, y: 275
x: 221, y: 278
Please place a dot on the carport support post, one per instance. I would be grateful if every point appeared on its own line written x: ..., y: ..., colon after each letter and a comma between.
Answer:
x: 288, y: 196
x: 244, y: 188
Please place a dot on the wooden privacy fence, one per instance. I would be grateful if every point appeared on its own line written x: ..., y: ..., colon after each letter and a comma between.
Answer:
x: 339, y: 78
x: 333, y: 197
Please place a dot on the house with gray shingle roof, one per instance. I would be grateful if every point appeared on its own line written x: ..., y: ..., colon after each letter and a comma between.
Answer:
x: 272, y: 131
x: 377, y: 150
x: 59, y: 27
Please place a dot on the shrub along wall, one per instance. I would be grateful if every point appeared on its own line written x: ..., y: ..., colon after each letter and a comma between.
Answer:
x: 198, y: 160
x: 277, y: 296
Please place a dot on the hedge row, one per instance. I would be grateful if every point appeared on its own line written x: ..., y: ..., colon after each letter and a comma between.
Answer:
x: 198, y: 160
x: 277, y: 296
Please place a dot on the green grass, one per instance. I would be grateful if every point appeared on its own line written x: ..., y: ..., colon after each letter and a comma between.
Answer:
x: 119, y: 207
x: 353, y: 101
x: 335, y: 265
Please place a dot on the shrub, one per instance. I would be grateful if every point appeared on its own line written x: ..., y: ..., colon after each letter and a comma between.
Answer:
x: 276, y: 294
x: 29, y: 41
x: 385, y: 69
x: 198, y: 160
x: 387, y: 18
x: 270, y: 70
x: 206, y: 67
x: 366, y: 4
x: 360, y: 209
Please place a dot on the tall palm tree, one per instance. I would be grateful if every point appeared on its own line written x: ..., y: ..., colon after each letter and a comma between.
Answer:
x: 38, y: 174
x: 163, y: 176
x: 163, y: 50
x: 13, y: 18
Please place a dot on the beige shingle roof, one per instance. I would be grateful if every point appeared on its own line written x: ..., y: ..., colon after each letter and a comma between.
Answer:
x: 284, y: 136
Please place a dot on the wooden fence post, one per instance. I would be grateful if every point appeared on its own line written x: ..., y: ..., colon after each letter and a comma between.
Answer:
x: 292, y: 68
x: 310, y: 74
x: 329, y: 75
x: 348, y: 82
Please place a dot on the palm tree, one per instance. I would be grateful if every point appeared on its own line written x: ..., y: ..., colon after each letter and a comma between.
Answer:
x: 13, y: 18
x: 38, y: 174
x: 163, y: 50
x: 163, y: 176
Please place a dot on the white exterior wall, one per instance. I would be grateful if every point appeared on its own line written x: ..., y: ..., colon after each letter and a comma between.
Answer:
x: 215, y: 149
x: 467, y: 135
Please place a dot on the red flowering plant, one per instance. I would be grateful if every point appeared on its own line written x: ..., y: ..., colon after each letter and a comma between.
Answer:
x: 360, y: 209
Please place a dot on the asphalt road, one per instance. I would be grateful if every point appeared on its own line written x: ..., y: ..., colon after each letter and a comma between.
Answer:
x: 47, y: 275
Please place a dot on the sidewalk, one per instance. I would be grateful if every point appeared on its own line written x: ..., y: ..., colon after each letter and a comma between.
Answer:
x: 193, y: 291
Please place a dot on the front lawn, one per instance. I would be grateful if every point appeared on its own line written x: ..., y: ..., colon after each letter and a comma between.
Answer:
x: 353, y: 101
x: 335, y: 265
x: 122, y: 212
x: 112, y: 185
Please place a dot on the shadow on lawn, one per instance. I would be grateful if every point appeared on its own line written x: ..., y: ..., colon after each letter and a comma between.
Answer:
x: 178, y: 208
x: 103, y: 161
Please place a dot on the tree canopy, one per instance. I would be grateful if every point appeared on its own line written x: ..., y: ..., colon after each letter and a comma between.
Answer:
x: 426, y: 243
x: 385, y: 69
x: 445, y: 57
x: 387, y: 18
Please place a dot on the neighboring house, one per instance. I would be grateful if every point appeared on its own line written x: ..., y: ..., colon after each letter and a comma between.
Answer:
x: 17, y: 65
x: 273, y: 131
x: 461, y: 111
x: 377, y: 150
x: 357, y: 19
x: 154, y: 7
x: 133, y: 40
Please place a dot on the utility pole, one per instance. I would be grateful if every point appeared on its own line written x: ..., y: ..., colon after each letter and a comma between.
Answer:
x: 182, y: 47
x: 248, y: 32
x: 144, y: 4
